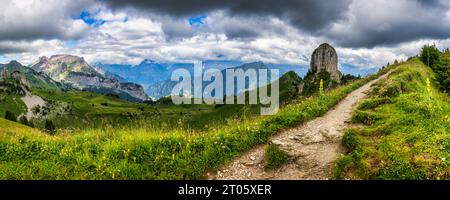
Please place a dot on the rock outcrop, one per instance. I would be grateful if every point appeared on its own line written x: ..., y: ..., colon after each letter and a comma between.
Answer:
x: 14, y: 74
x: 325, y: 58
x: 324, y: 67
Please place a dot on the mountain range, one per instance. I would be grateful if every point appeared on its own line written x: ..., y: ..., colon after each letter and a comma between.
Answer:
x: 76, y: 72
x: 164, y: 88
x: 134, y: 83
x: 155, y: 76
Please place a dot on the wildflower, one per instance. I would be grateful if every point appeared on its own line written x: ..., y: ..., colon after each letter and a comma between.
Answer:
x: 321, y: 87
x: 428, y: 86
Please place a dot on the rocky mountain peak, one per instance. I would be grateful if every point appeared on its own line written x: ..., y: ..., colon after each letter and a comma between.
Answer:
x: 76, y: 72
x: 14, y: 63
x: 57, y: 66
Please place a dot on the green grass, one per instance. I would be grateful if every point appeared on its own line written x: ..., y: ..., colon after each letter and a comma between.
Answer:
x: 141, y: 151
x: 274, y: 157
x: 12, y: 103
x: 91, y: 111
x: 406, y: 133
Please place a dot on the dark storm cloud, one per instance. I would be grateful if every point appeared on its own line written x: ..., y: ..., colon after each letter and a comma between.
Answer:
x: 308, y: 15
x: 7, y: 49
x: 392, y: 22
x: 382, y: 23
x: 407, y: 32
x: 46, y: 19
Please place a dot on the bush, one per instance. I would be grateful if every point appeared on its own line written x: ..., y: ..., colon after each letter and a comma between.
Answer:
x: 392, y: 90
x: 274, y: 157
x: 10, y: 116
x: 50, y: 127
x: 364, y: 117
x: 351, y: 140
x: 23, y: 120
x: 347, y: 78
x: 312, y: 82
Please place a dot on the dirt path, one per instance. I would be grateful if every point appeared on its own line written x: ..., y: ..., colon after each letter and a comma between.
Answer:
x: 32, y: 101
x: 313, y: 146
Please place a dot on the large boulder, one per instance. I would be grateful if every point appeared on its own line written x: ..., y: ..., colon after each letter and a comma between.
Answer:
x: 325, y: 58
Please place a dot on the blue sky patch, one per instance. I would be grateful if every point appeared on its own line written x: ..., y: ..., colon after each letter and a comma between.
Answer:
x: 197, y: 21
x: 90, y: 19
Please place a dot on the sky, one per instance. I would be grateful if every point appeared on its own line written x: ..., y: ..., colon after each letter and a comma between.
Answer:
x: 366, y: 34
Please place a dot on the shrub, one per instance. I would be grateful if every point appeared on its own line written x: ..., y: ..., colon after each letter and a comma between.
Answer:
x: 392, y: 90
x: 351, y: 140
x: 342, y: 164
x: 365, y: 117
x: 23, y: 120
x: 274, y: 157
x: 10, y: 116
x: 50, y: 127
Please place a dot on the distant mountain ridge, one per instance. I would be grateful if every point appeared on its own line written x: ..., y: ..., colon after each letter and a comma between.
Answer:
x: 164, y: 88
x: 75, y: 71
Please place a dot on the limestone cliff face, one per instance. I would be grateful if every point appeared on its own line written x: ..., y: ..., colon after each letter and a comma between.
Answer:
x: 76, y: 72
x: 325, y: 58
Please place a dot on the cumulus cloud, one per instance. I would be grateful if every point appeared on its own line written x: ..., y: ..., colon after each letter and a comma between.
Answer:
x: 140, y: 37
x: 41, y: 19
x: 365, y: 33
x: 350, y: 23
x: 308, y: 15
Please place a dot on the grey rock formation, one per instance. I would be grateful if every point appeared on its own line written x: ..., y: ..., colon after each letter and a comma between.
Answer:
x: 79, y: 74
x: 325, y: 58
x: 15, y: 75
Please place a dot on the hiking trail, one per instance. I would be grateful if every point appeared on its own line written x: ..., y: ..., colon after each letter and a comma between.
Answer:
x: 312, y: 146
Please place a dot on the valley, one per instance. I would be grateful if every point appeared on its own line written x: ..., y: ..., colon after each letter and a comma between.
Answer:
x: 58, y: 130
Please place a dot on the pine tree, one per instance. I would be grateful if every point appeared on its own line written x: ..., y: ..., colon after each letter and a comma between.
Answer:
x: 430, y: 55
x: 49, y: 126
x: 10, y: 116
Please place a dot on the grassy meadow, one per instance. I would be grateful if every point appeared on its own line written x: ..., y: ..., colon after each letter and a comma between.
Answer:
x: 87, y: 110
x: 185, y: 146
x: 405, y: 132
